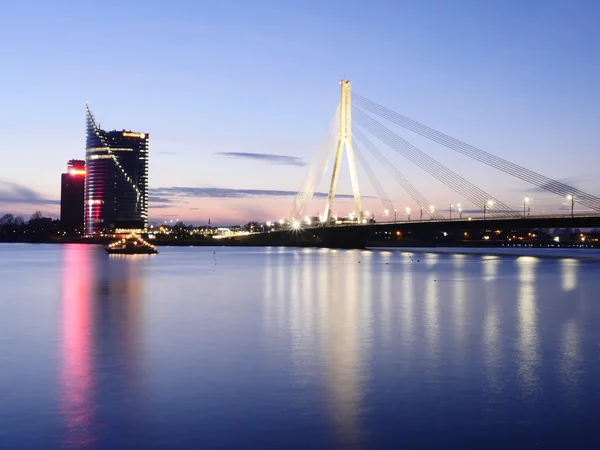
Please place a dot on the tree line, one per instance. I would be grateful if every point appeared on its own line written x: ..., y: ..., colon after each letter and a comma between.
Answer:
x: 37, y: 229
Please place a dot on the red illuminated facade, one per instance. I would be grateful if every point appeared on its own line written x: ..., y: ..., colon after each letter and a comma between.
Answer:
x: 72, y: 197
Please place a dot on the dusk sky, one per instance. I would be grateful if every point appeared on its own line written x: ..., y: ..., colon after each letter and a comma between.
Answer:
x: 221, y: 85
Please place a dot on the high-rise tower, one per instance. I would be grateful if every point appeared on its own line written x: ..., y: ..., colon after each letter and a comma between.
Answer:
x: 116, y: 180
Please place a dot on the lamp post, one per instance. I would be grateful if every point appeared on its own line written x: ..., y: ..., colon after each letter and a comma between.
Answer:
x: 408, y: 212
x: 431, y: 211
x: 421, y: 212
x: 571, y: 198
x: 459, y: 211
x: 387, y: 215
x: 395, y: 218
x: 526, y: 207
x: 451, y: 205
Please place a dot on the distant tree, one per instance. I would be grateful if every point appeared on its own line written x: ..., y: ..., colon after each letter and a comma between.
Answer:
x: 19, y: 221
x: 36, y: 216
x: 7, y: 219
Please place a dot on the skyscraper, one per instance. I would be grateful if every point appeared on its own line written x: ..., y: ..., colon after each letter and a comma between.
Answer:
x: 72, y: 196
x: 116, y: 180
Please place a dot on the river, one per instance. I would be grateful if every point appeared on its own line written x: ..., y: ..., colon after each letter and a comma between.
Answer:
x: 276, y: 348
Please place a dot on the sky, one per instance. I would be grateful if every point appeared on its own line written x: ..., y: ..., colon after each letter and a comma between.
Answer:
x: 237, y: 95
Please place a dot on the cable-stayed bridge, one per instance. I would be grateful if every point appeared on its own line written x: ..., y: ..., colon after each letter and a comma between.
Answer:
x: 359, y: 123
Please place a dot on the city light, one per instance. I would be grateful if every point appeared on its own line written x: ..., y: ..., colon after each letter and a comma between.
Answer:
x: 76, y: 172
x: 296, y: 225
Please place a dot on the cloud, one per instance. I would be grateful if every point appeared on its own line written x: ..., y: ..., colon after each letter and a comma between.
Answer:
x: 158, y: 199
x: 176, y: 191
x: 266, y: 157
x: 17, y: 193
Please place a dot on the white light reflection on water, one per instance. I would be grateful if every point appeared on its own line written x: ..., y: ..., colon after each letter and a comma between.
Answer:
x: 527, y: 319
x: 344, y: 380
x: 458, y: 304
x: 570, y: 360
x: 569, y: 273
x: 407, y: 309
x: 386, y: 296
x: 490, y: 267
x: 432, y: 318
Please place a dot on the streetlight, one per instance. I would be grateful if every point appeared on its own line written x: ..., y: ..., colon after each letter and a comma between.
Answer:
x: 487, y: 205
x: 571, y: 198
x: 451, y: 205
x: 526, y: 207
x: 395, y: 219
x: 421, y: 212
x: 431, y: 211
x: 387, y: 214
x: 459, y: 210
x: 408, y: 212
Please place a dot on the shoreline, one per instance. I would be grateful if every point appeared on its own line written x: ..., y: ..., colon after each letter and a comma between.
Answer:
x: 575, y: 252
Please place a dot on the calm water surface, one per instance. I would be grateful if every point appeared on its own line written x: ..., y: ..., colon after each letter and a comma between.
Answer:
x: 296, y: 349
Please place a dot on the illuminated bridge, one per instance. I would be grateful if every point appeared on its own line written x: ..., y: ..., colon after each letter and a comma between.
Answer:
x: 360, y: 122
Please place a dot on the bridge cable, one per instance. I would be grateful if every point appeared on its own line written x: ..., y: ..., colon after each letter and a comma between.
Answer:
x: 325, y: 152
x: 496, y: 162
x: 395, y: 173
x: 430, y: 165
x: 381, y: 194
x: 445, y: 175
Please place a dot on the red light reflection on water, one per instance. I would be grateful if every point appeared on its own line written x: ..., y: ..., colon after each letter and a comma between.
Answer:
x: 76, y: 402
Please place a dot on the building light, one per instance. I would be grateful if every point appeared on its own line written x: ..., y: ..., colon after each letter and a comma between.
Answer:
x: 136, y: 135
x: 74, y: 172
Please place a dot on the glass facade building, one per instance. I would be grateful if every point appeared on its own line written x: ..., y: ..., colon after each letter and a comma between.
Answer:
x: 116, y: 180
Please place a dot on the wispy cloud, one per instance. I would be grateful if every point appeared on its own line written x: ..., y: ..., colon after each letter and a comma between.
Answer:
x: 266, y: 157
x: 17, y: 193
x: 158, y: 199
x: 176, y: 191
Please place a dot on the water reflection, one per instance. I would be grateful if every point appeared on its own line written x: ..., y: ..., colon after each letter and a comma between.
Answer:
x: 76, y: 378
x: 490, y: 267
x: 343, y: 381
x: 569, y: 273
x: 528, y: 338
x: 327, y: 303
x: 345, y: 345
x: 100, y: 372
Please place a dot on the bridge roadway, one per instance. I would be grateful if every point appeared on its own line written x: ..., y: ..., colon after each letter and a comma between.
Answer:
x: 356, y: 236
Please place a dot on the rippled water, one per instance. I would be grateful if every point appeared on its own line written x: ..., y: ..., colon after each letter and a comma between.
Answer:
x: 296, y: 348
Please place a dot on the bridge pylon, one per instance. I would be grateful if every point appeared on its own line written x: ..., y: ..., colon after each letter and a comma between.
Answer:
x: 344, y: 140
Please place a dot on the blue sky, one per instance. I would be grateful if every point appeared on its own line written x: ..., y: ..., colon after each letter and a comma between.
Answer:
x: 209, y: 80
